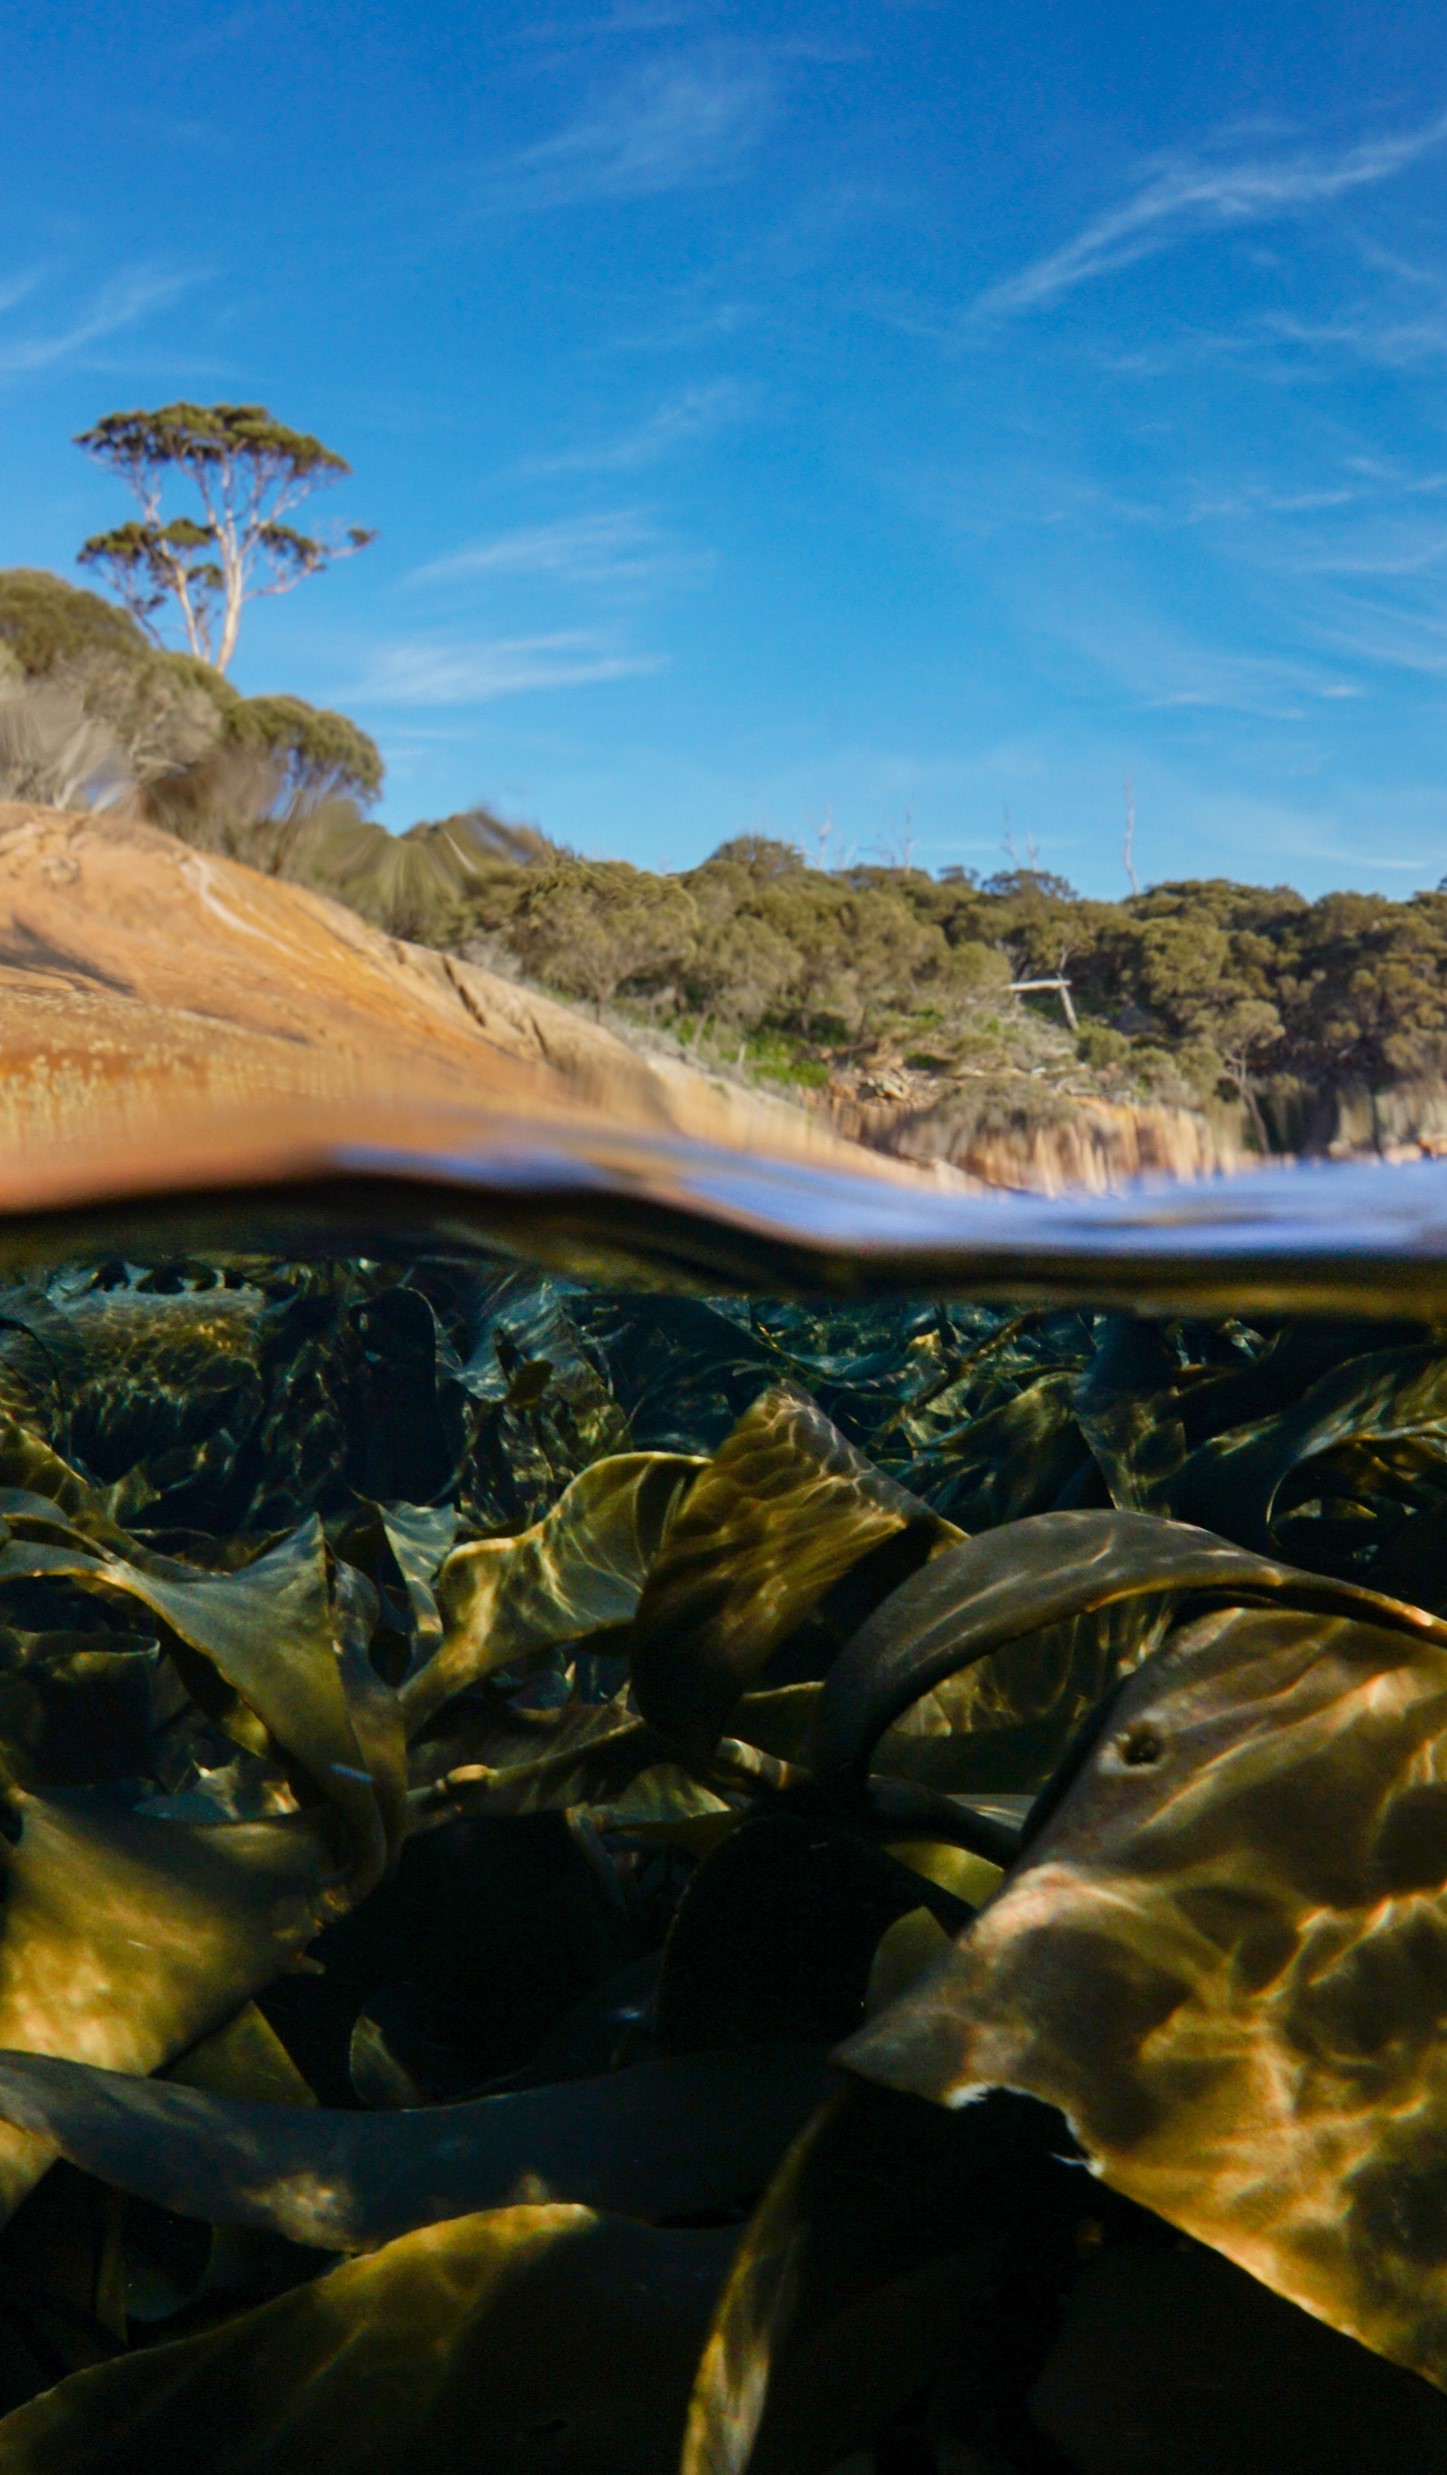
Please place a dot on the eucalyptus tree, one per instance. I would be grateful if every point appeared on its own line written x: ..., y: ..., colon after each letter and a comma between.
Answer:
x: 248, y: 474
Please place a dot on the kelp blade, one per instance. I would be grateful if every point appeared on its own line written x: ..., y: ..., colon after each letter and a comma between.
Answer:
x: 475, y: 2343
x: 673, y: 2138
x: 1225, y: 1958
x: 497, y: 1741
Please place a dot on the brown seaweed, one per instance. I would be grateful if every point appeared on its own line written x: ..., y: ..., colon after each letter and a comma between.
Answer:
x: 473, y: 1746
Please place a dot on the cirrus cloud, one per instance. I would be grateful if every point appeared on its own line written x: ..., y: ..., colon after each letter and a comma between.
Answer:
x: 1186, y: 195
x: 680, y: 123
x: 429, y: 672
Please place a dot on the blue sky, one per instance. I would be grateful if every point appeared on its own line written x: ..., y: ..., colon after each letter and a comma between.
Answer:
x: 857, y: 418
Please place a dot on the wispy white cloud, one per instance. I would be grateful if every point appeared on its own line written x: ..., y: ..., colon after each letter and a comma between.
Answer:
x: 1251, y: 501
x: 1246, y: 596
x: 17, y: 288
x: 120, y: 304
x: 1212, y: 679
x: 1423, y: 865
x: 225, y: 28
x: 1165, y: 667
x: 1397, y: 476
x: 694, y: 412
x: 1188, y: 195
x: 625, y: 17
x: 430, y: 673
x: 1387, y: 550
x: 680, y: 123
x: 620, y: 549
x: 1368, y: 332
x: 1382, y: 631
x: 691, y: 329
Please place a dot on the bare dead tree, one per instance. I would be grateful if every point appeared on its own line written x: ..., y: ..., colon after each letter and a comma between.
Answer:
x: 896, y: 846
x: 1057, y: 984
x: 1236, y: 1066
x: 1128, y: 846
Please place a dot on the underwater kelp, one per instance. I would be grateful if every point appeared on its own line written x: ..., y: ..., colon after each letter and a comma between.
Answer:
x: 528, y: 1810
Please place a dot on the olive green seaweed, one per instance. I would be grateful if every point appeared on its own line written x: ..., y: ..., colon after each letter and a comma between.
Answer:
x: 588, y: 1873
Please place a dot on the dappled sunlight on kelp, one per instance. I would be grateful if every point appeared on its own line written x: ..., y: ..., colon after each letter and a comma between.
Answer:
x: 606, y: 1882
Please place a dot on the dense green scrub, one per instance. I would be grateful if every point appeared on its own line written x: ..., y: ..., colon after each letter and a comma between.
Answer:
x: 474, y: 1747
x: 1191, y: 992
x: 1188, y: 993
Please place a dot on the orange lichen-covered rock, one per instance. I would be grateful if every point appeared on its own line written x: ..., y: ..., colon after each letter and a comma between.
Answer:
x: 143, y: 983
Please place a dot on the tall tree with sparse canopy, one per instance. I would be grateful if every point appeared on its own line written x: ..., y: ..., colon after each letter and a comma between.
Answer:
x: 249, y: 473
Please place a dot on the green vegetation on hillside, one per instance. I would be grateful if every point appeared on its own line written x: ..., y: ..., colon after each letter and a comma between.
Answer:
x: 1192, y: 992
x: 880, y: 979
x: 89, y: 705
